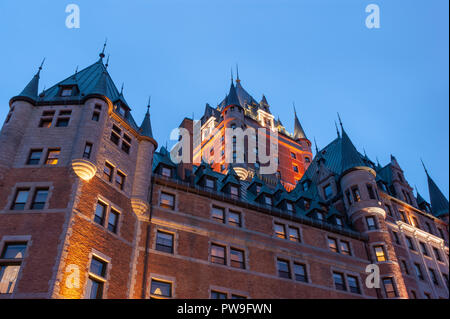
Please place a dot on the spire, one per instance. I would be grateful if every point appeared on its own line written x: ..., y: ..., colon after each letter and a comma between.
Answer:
x: 315, y: 143
x: 264, y: 100
x: 102, y: 54
x: 232, y: 98
x: 100, y: 86
x: 237, y: 74
x: 146, y: 127
x: 337, y: 130
x: 350, y: 156
x: 31, y: 90
x: 107, y: 62
x: 439, y: 203
x: 299, y: 133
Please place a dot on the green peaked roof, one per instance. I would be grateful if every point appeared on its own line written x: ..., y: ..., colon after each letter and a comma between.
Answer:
x: 439, y: 204
x: 232, y: 98
x: 350, y: 156
x: 298, y: 129
x: 146, y: 127
x: 30, y: 92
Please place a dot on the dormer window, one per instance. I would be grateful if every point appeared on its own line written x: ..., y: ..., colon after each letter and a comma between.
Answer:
x: 289, y: 207
x: 305, y: 186
x: 328, y: 191
x: 338, y: 221
x: 258, y: 189
x: 306, y: 204
x: 209, y: 183
x: 234, y: 191
x: 166, y: 172
x: 66, y: 91
x: 319, y: 216
x: 121, y: 110
x: 268, y: 200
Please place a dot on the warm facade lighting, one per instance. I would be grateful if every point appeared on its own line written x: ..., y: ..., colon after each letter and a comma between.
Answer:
x: 84, y: 169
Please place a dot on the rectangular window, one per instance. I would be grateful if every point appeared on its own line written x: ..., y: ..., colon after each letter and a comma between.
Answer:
x: 294, y: 234
x: 233, y: 296
x: 96, y: 116
x: 13, y: 253
x: 371, y: 192
x: 403, y: 217
x: 35, y: 157
x: 332, y: 244
x: 218, y: 254
x: 300, y: 272
x: 389, y: 210
x: 389, y: 288
x: 113, y: 220
x: 295, y: 168
x: 423, y: 248
x: 268, y: 200
x: 283, y: 269
x: 164, y: 242
x: 356, y: 194
x: 433, y: 276
x: 415, y: 222
x: 293, y: 155
x: 161, y: 289
x: 97, y: 279
x: 126, y: 147
x: 404, y: 266
x: 120, y: 179
x: 289, y: 207
x: 339, y: 281
x: 218, y: 214
x: 234, y: 191
x: 87, y: 150
x: 437, y: 254
x: 40, y: 198
x: 234, y: 218
x: 328, y: 191
x: 66, y: 92
x: 52, y: 156
x: 165, y: 171
x: 339, y: 221
x: 349, y: 199
x: 62, y: 122
x: 380, y: 254
x: 409, y: 243
x: 396, y: 238
x: 371, y: 223
x: 108, y: 172
x: 167, y: 201
x: 280, y: 231
x: 46, y: 122
x: 209, y: 183
x: 100, y: 212
x: 237, y: 258
x: 419, y: 272
x: 345, y: 248
x: 20, y: 199
x: 218, y: 295
x: 353, y: 284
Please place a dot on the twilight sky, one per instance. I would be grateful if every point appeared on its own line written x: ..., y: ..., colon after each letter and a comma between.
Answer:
x: 390, y: 85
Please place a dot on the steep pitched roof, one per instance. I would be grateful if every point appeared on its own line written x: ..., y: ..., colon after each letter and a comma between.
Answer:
x: 350, y: 156
x: 298, y: 129
x: 232, y: 98
x: 30, y: 92
x: 439, y: 204
x: 146, y: 127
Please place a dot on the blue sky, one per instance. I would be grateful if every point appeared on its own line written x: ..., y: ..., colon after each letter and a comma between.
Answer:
x: 390, y: 85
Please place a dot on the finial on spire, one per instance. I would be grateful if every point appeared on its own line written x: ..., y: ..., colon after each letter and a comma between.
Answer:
x: 340, y: 121
x: 237, y: 74
x: 364, y: 150
x: 121, y: 89
x: 76, y: 70
x: 107, y: 61
x: 426, y: 171
x: 337, y: 130
x: 148, y: 105
x: 315, y: 143
x: 231, y: 75
x: 42, y: 63
x: 295, y: 111
x: 102, y: 54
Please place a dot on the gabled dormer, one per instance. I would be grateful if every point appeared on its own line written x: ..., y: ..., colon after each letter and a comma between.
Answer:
x: 205, y: 177
x: 231, y: 184
x: 255, y: 185
x: 164, y: 165
x: 265, y: 196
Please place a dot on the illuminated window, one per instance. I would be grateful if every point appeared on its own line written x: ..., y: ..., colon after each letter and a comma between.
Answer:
x: 52, y: 156
x: 356, y: 194
x: 380, y: 254
x: 339, y: 281
x: 164, y: 242
x: 284, y: 270
x: 218, y: 254
x: 218, y: 214
x: 100, y: 213
x: 280, y: 231
x: 46, y: 119
x: 294, y: 234
x: 415, y: 222
x: 234, y: 218
x: 161, y: 289
x: 300, y: 272
x: 237, y: 258
x: 353, y: 284
x: 35, y: 157
x: 97, y: 278
x: 10, y: 263
x: 113, y: 220
x: 389, y: 288
x: 167, y: 201
x: 332, y: 244
x: 20, y: 199
x: 345, y: 248
x: 40, y: 198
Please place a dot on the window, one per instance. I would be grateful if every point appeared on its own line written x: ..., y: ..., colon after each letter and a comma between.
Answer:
x: 423, y: 248
x: 218, y: 295
x: 46, y: 119
x: 403, y: 217
x: 268, y: 200
x: 87, y: 150
x: 300, y: 272
x: 35, y: 157
x: 209, y: 183
x: 389, y: 288
x: 353, y: 284
x: 380, y: 254
x: 126, y: 143
x: 121, y: 110
x: 234, y: 218
x: 164, y: 242
x: 40, y: 198
x: 13, y: 253
x: 115, y: 135
x: 218, y: 254
x: 97, y: 279
x: 371, y: 223
x: 100, y: 213
x: 293, y: 155
x: 96, y: 116
x: 165, y: 171
x: 52, y: 156
x: 319, y: 216
x: 108, y: 171
x: 339, y: 222
x: 356, y: 194
x: 66, y: 91
x: 415, y: 222
x: 345, y: 248
x: 370, y: 191
x: 283, y: 269
x: 409, y: 243
x: 389, y: 210
x: 294, y: 234
x: 429, y: 228
x: 339, y: 281
x: 280, y: 231
x: 332, y: 244
x: 62, y: 122
x: 396, y: 238
x: 419, y: 272
x: 113, y: 220
x: 218, y: 214
x: 120, y: 179
x: 167, y: 201
x: 21, y: 199
x: 234, y: 191
x: 347, y: 195
x: 433, y: 276
x: 161, y: 289
x: 307, y: 160
x: 289, y: 207
x: 295, y: 168
x: 237, y: 258
x: 237, y: 297
x: 404, y: 266
x: 437, y: 254
x: 328, y: 191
